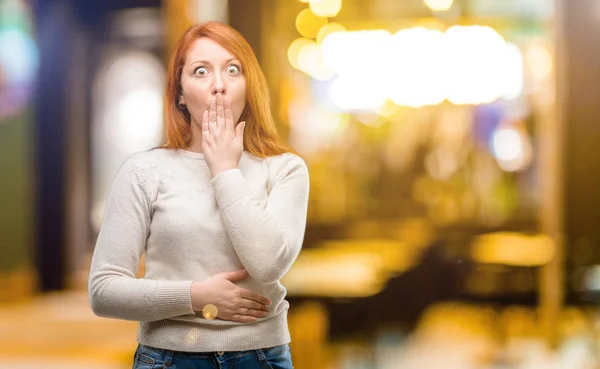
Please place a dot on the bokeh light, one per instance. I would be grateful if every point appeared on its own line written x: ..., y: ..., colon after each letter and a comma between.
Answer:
x: 19, y: 57
x: 328, y: 29
x: 294, y: 51
x: 308, y: 23
x: 415, y: 67
x: 439, y: 5
x: 326, y: 8
x: 415, y: 71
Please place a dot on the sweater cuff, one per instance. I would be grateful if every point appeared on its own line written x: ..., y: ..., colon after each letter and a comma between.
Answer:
x: 175, y: 297
x: 230, y: 186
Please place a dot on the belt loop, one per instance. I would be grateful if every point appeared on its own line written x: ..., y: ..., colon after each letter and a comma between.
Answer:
x: 261, y: 355
x: 168, y: 357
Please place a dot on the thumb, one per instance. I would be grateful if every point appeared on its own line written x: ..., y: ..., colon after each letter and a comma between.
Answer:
x: 236, y: 275
x: 239, y: 130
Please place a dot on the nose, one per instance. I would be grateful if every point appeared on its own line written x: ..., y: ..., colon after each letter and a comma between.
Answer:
x: 218, y: 86
x: 220, y: 89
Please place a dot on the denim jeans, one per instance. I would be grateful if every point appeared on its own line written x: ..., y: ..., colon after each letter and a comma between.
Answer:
x: 278, y: 357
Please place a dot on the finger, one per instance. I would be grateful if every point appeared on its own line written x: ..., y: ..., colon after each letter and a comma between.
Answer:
x: 249, y: 295
x: 205, y: 130
x: 253, y: 312
x: 236, y: 275
x: 244, y: 318
x: 228, y: 114
x: 253, y: 305
x: 212, y: 116
x: 220, y: 113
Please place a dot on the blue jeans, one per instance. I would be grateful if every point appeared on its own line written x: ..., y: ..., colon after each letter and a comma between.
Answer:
x: 278, y: 357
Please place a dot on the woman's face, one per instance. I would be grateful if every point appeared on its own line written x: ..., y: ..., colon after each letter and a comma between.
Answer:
x: 210, y: 69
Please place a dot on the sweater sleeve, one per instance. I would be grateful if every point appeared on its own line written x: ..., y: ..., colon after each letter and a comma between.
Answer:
x: 267, y: 240
x: 114, y: 290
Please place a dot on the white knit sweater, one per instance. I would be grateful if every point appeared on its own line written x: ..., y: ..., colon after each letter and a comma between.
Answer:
x: 191, y: 226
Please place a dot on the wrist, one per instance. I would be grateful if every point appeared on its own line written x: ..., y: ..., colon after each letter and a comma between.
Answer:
x: 197, y: 291
x: 223, y: 168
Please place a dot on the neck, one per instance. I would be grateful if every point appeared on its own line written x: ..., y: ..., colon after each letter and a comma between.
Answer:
x: 196, y: 142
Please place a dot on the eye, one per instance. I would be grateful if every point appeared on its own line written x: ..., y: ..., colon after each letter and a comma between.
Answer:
x: 200, y: 71
x: 233, y: 70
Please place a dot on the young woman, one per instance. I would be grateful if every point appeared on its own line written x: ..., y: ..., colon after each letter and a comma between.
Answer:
x: 220, y: 212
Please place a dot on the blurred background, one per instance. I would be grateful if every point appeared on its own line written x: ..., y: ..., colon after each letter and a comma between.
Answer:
x: 452, y: 146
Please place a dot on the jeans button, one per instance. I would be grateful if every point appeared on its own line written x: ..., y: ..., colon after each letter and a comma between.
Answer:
x: 220, y: 353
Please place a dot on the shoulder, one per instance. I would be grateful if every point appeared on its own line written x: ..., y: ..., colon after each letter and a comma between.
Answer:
x: 143, y: 166
x: 285, y: 165
x: 149, y: 159
x: 286, y: 158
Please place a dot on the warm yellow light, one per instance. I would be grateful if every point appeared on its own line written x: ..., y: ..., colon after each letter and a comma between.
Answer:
x: 310, y: 61
x: 294, y: 51
x: 439, y: 5
x: 510, y: 248
x: 369, y: 119
x: 475, y: 57
x: 356, y: 53
x: 359, y: 59
x: 326, y: 8
x: 326, y: 273
x: 388, y: 109
x: 513, y: 72
x: 309, y: 56
x: 395, y: 256
x: 416, y: 67
x: 308, y: 23
x: 321, y: 73
x: 314, y: 126
x: 357, y: 94
x: 328, y: 29
x: 539, y: 61
x: 305, y: 55
x: 431, y: 23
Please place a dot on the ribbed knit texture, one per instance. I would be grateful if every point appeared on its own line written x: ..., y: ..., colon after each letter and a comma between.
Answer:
x: 191, y: 226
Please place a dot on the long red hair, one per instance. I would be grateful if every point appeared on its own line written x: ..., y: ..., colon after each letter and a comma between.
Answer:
x: 260, y: 135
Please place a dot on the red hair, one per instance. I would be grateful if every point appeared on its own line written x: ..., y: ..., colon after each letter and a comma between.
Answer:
x: 260, y: 135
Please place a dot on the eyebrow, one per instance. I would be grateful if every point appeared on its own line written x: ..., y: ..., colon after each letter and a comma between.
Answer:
x: 209, y: 63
